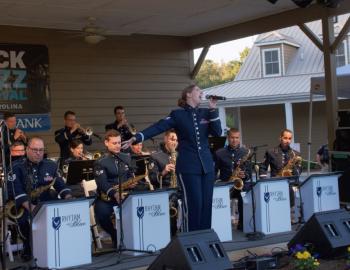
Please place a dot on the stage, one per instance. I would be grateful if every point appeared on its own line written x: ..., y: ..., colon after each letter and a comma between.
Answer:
x: 235, y: 249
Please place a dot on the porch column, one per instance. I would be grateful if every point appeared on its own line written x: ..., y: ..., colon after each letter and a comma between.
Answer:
x: 288, y: 108
x: 222, y: 116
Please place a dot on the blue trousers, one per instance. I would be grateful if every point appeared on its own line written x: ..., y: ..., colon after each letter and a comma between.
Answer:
x: 197, y: 200
x: 103, y: 213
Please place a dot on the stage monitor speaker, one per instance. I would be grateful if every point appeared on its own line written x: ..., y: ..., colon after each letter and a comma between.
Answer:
x: 328, y: 232
x: 193, y: 250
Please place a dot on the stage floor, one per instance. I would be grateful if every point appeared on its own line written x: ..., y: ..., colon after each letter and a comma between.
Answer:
x: 235, y: 249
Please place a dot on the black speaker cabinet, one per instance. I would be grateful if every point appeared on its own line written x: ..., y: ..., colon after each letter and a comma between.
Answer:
x: 328, y: 232
x: 191, y: 251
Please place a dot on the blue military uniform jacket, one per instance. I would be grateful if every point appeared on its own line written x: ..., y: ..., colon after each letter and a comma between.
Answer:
x: 42, y: 174
x: 125, y: 132
x: 227, y: 160
x: 157, y: 164
x: 108, y: 168
x: 277, y: 158
x: 193, y: 127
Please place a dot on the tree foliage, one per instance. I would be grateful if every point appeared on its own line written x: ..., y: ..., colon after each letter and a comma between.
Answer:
x: 212, y: 73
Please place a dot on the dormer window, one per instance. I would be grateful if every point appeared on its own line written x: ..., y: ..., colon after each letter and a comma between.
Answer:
x: 271, y: 62
x: 341, y: 54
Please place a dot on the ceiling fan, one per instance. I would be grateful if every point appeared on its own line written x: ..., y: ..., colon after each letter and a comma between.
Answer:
x: 92, y: 33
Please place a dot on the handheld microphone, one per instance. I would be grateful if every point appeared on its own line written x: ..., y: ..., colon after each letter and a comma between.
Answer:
x: 215, y: 97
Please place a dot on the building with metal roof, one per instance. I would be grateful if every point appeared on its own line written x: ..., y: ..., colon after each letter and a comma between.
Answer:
x: 276, y: 77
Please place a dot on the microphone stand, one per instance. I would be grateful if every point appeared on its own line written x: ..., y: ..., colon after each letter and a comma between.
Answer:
x: 121, y: 246
x: 4, y: 197
x: 29, y: 182
x: 4, y: 191
x: 254, y: 235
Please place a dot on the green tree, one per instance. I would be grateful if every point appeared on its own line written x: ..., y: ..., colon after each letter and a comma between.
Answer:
x: 212, y: 73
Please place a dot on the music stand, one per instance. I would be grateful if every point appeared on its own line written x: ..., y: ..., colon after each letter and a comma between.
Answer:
x: 139, y: 167
x: 215, y: 143
x: 79, y: 170
x: 121, y: 246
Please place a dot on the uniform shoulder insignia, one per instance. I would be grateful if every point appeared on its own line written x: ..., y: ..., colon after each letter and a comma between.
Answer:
x: 98, y: 172
x: 151, y: 165
x: 11, y: 177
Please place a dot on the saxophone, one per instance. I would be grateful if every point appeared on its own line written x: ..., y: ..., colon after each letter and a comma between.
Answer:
x: 173, y: 182
x: 11, y: 210
x: 173, y: 178
x: 238, y: 183
x: 287, y: 170
x: 125, y: 185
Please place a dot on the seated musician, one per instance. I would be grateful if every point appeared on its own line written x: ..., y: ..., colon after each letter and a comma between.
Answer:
x: 161, y: 166
x: 76, y: 148
x: 120, y: 124
x: 161, y: 169
x: 72, y: 130
x: 18, y: 151
x: 139, y: 159
x: 108, y: 170
x: 232, y: 162
x: 33, y: 174
x: 283, y: 161
x: 12, y: 135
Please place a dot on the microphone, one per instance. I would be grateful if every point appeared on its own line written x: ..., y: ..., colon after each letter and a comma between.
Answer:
x: 215, y: 97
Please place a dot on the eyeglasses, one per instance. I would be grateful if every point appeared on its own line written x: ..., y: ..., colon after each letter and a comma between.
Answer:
x: 37, y: 150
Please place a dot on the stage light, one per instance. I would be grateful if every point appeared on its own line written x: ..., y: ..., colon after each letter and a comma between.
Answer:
x: 302, y: 3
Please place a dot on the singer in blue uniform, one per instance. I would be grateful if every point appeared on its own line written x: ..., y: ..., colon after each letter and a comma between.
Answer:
x: 194, y: 165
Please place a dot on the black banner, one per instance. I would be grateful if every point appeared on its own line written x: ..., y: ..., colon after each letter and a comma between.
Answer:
x: 24, y: 79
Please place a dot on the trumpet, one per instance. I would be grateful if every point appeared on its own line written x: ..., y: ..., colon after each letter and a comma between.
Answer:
x: 91, y: 156
x: 87, y: 131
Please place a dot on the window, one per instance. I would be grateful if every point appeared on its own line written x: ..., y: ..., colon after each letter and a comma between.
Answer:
x: 271, y: 62
x: 341, y: 54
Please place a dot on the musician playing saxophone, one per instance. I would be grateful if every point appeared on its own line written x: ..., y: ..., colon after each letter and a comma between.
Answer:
x: 161, y: 170
x: 278, y: 157
x: 31, y: 174
x: 161, y: 166
x: 113, y: 166
x: 233, y: 159
x: 283, y: 161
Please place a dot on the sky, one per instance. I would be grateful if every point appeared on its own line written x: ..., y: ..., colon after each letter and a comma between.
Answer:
x: 227, y: 51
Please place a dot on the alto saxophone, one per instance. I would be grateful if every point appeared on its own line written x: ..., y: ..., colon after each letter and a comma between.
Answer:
x: 287, y: 170
x: 173, y: 182
x: 237, y: 181
x: 125, y: 185
x: 11, y: 210
x: 173, y: 177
